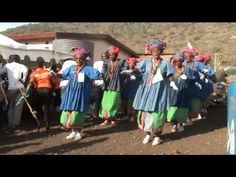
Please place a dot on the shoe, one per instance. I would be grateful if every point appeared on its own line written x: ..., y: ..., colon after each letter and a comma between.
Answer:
x: 82, y: 133
x: 147, y: 139
x: 78, y: 136
x: 105, y: 123
x: 180, y: 129
x: 199, y: 117
x: 174, y: 129
x: 71, y: 135
x: 157, y: 141
x: 113, y: 123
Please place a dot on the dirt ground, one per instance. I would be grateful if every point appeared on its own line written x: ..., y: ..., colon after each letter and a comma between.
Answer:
x: 207, y: 136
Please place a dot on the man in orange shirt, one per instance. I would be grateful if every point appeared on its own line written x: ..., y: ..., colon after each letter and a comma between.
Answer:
x: 41, y: 80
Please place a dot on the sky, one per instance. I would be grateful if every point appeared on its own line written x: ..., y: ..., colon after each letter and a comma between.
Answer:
x: 5, y: 26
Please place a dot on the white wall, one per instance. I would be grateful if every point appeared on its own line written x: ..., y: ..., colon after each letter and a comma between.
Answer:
x: 100, y: 45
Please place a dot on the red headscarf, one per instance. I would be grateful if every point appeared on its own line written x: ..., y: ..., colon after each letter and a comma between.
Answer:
x: 80, y: 52
x: 156, y: 44
x: 132, y: 60
x: 190, y: 52
x: 113, y: 50
x: 200, y: 58
x: 207, y: 57
x: 179, y: 57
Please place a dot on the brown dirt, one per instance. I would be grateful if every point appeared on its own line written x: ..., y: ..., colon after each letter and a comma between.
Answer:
x: 207, y: 136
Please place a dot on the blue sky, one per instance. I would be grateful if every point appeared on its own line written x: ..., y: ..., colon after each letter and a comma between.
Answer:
x: 4, y: 26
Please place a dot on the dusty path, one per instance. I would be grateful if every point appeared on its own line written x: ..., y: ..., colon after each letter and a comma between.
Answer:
x: 206, y: 136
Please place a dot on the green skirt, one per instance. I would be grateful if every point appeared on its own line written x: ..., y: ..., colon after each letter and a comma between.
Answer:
x: 159, y: 118
x: 177, y: 114
x: 72, y: 119
x: 196, y: 105
x: 110, y: 104
x: 155, y: 121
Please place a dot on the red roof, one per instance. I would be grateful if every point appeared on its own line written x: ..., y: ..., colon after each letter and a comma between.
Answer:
x: 30, y: 36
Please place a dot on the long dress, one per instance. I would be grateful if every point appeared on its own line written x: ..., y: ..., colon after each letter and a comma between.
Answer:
x: 207, y: 84
x: 131, y: 87
x: 75, y: 101
x: 181, y: 98
x: 153, y: 98
x: 197, y: 94
x: 113, y: 85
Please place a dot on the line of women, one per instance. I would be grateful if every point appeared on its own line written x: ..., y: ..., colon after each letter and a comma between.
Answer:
x: 155, y: 90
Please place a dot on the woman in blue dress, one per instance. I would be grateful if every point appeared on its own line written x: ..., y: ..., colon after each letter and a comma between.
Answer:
x: 131, y: 80
x: 207, y: 77
x: 75, y: 101
x: 196, y: 87
x: 181, y: 98
x: 152, y: 99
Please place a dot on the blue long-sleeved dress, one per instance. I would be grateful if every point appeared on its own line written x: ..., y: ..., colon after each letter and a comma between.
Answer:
x: 77, y: 94
x: 153, y: 97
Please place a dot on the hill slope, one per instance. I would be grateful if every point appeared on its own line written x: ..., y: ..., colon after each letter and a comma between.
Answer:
x: 206, y: 37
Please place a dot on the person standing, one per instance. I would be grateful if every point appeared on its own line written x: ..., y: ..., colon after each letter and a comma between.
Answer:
x: 75, y: 102
x: 3, y: 95
x: 208, y: 78
x: 132, y: 80
x: 42, y: 81
x: 152, y: 99
x: 16, y: 74
x: 97, y: 89
x: 181, y: 98
x: 196, y: 87
x: 113, y: 85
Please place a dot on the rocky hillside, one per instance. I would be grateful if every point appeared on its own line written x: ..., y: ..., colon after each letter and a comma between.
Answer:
x: 216, y: 38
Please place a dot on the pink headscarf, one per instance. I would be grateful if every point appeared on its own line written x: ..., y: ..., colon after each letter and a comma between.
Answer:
x: 190, y: 52
x: 132, y: 60
x: 207, y: 57
x: 113, y: 50
x: 156, y: 44
x: 80, y: 52
x: 200, y: 58
x: 178, y: 58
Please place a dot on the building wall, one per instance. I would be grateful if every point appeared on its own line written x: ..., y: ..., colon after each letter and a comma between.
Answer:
x: 36, y: 41
x: 100, y: 45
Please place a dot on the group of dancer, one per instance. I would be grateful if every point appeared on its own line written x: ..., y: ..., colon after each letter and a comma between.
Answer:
x: 151, y: 90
